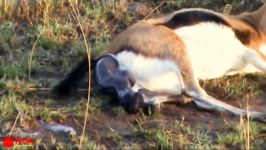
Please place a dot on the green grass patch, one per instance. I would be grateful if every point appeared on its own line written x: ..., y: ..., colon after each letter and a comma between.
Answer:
x: 10, y: 106
x: 237, y: 134
x: 48, y: 44
x: 11, y: 71
x: 235, y: 87
x: 7, y: 30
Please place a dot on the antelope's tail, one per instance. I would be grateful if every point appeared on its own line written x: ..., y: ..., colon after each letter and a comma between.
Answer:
x: 65, y: 86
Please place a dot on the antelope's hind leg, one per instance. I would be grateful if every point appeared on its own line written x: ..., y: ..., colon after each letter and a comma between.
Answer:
x: 204, y: 101
x: 255, y: 58
x: 176, y: 50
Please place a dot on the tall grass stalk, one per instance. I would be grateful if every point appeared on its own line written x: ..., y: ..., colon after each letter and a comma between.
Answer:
x: 247, y: 129
x: 88, y: 50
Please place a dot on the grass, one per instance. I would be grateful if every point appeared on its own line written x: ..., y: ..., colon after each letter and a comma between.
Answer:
x: 192, y: 138
x: 7, y: 30
x: 10, y: 105
x: 162, y: 139
x: 10, y: 71
x: 238, y: 134
x: 61, y: 45
x: 236, y: 87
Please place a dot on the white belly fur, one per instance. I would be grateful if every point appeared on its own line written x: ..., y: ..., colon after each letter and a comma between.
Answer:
x: 157, y: 75
x: 214, y: 52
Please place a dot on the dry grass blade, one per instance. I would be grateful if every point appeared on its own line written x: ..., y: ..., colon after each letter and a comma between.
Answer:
x: 88, y: 50
x: 247, y: 136
x: 14, y: 125
x: 33, y: 50
x: 156, y: 8
x: 45, y: 21
x: 227, y: 9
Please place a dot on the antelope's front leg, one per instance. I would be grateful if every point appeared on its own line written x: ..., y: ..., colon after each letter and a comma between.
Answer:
x: 153, y: 101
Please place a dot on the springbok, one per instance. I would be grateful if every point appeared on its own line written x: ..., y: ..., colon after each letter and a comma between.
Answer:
x: 156, y: 60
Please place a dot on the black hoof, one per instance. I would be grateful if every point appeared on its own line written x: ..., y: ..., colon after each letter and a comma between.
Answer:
x: 133, y: 103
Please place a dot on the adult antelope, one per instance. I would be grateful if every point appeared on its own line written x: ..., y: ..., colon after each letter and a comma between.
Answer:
x: 154, y: 60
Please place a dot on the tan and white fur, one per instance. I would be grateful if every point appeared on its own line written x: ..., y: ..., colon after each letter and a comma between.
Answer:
x: 169, y: 55
x: 172, y: 60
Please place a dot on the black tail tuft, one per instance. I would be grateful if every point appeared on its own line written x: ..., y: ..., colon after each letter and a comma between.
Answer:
x: 66, y: 85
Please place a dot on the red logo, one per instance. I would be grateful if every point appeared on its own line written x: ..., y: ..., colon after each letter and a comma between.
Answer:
x: 9, y: 142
